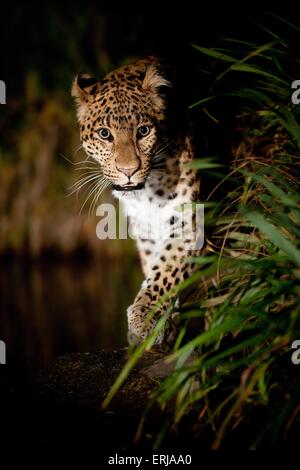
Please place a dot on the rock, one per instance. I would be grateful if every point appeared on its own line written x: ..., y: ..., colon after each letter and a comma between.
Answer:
x: 83, y: 379
x: 61, y: 406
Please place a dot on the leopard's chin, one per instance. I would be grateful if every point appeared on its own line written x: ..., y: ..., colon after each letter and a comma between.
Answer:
x: 129, y: 187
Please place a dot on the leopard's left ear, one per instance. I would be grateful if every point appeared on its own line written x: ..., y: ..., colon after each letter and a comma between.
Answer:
x: 84, y: 89
x: 153, y: 82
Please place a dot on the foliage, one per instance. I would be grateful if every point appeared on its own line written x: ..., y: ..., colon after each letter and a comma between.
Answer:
x: 235, y: 378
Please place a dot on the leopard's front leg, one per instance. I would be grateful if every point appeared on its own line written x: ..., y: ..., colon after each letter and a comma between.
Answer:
x: 168, y: 268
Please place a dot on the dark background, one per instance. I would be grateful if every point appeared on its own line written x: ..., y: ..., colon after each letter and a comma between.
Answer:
x: 57, y: 39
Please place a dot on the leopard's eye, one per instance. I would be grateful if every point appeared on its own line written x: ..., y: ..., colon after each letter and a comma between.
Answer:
x: 143, y: 131
x: 104, y: 133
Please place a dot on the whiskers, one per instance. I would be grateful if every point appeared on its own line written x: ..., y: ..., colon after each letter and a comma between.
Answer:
x: 158, y: 160
x: 70, y: 160
x: 91, y: 178
x: 94, y: 194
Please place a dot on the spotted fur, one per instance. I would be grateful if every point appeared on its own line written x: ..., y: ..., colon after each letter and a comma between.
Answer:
x: 144, y: 155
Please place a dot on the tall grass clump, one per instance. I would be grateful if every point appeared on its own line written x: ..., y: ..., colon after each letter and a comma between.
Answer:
x: 233, y: 379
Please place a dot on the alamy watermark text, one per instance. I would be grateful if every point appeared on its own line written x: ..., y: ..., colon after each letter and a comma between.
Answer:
x: 2, y: 92
x: 2, y: 352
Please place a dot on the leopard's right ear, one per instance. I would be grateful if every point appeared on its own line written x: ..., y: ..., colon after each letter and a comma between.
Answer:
x: 84, y: 89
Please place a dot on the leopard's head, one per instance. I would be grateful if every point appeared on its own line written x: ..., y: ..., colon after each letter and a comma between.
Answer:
x: 122, y: 120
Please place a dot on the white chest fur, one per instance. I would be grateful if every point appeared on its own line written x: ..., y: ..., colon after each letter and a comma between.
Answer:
x: 149, y: 213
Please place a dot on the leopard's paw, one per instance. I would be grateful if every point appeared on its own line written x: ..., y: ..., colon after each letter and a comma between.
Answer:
x: 141, y: 323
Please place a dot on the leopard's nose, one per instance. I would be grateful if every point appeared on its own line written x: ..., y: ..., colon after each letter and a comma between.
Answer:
x: 129, y: 171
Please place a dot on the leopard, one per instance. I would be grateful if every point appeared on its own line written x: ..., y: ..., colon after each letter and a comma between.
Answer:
x: 135, y: 126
